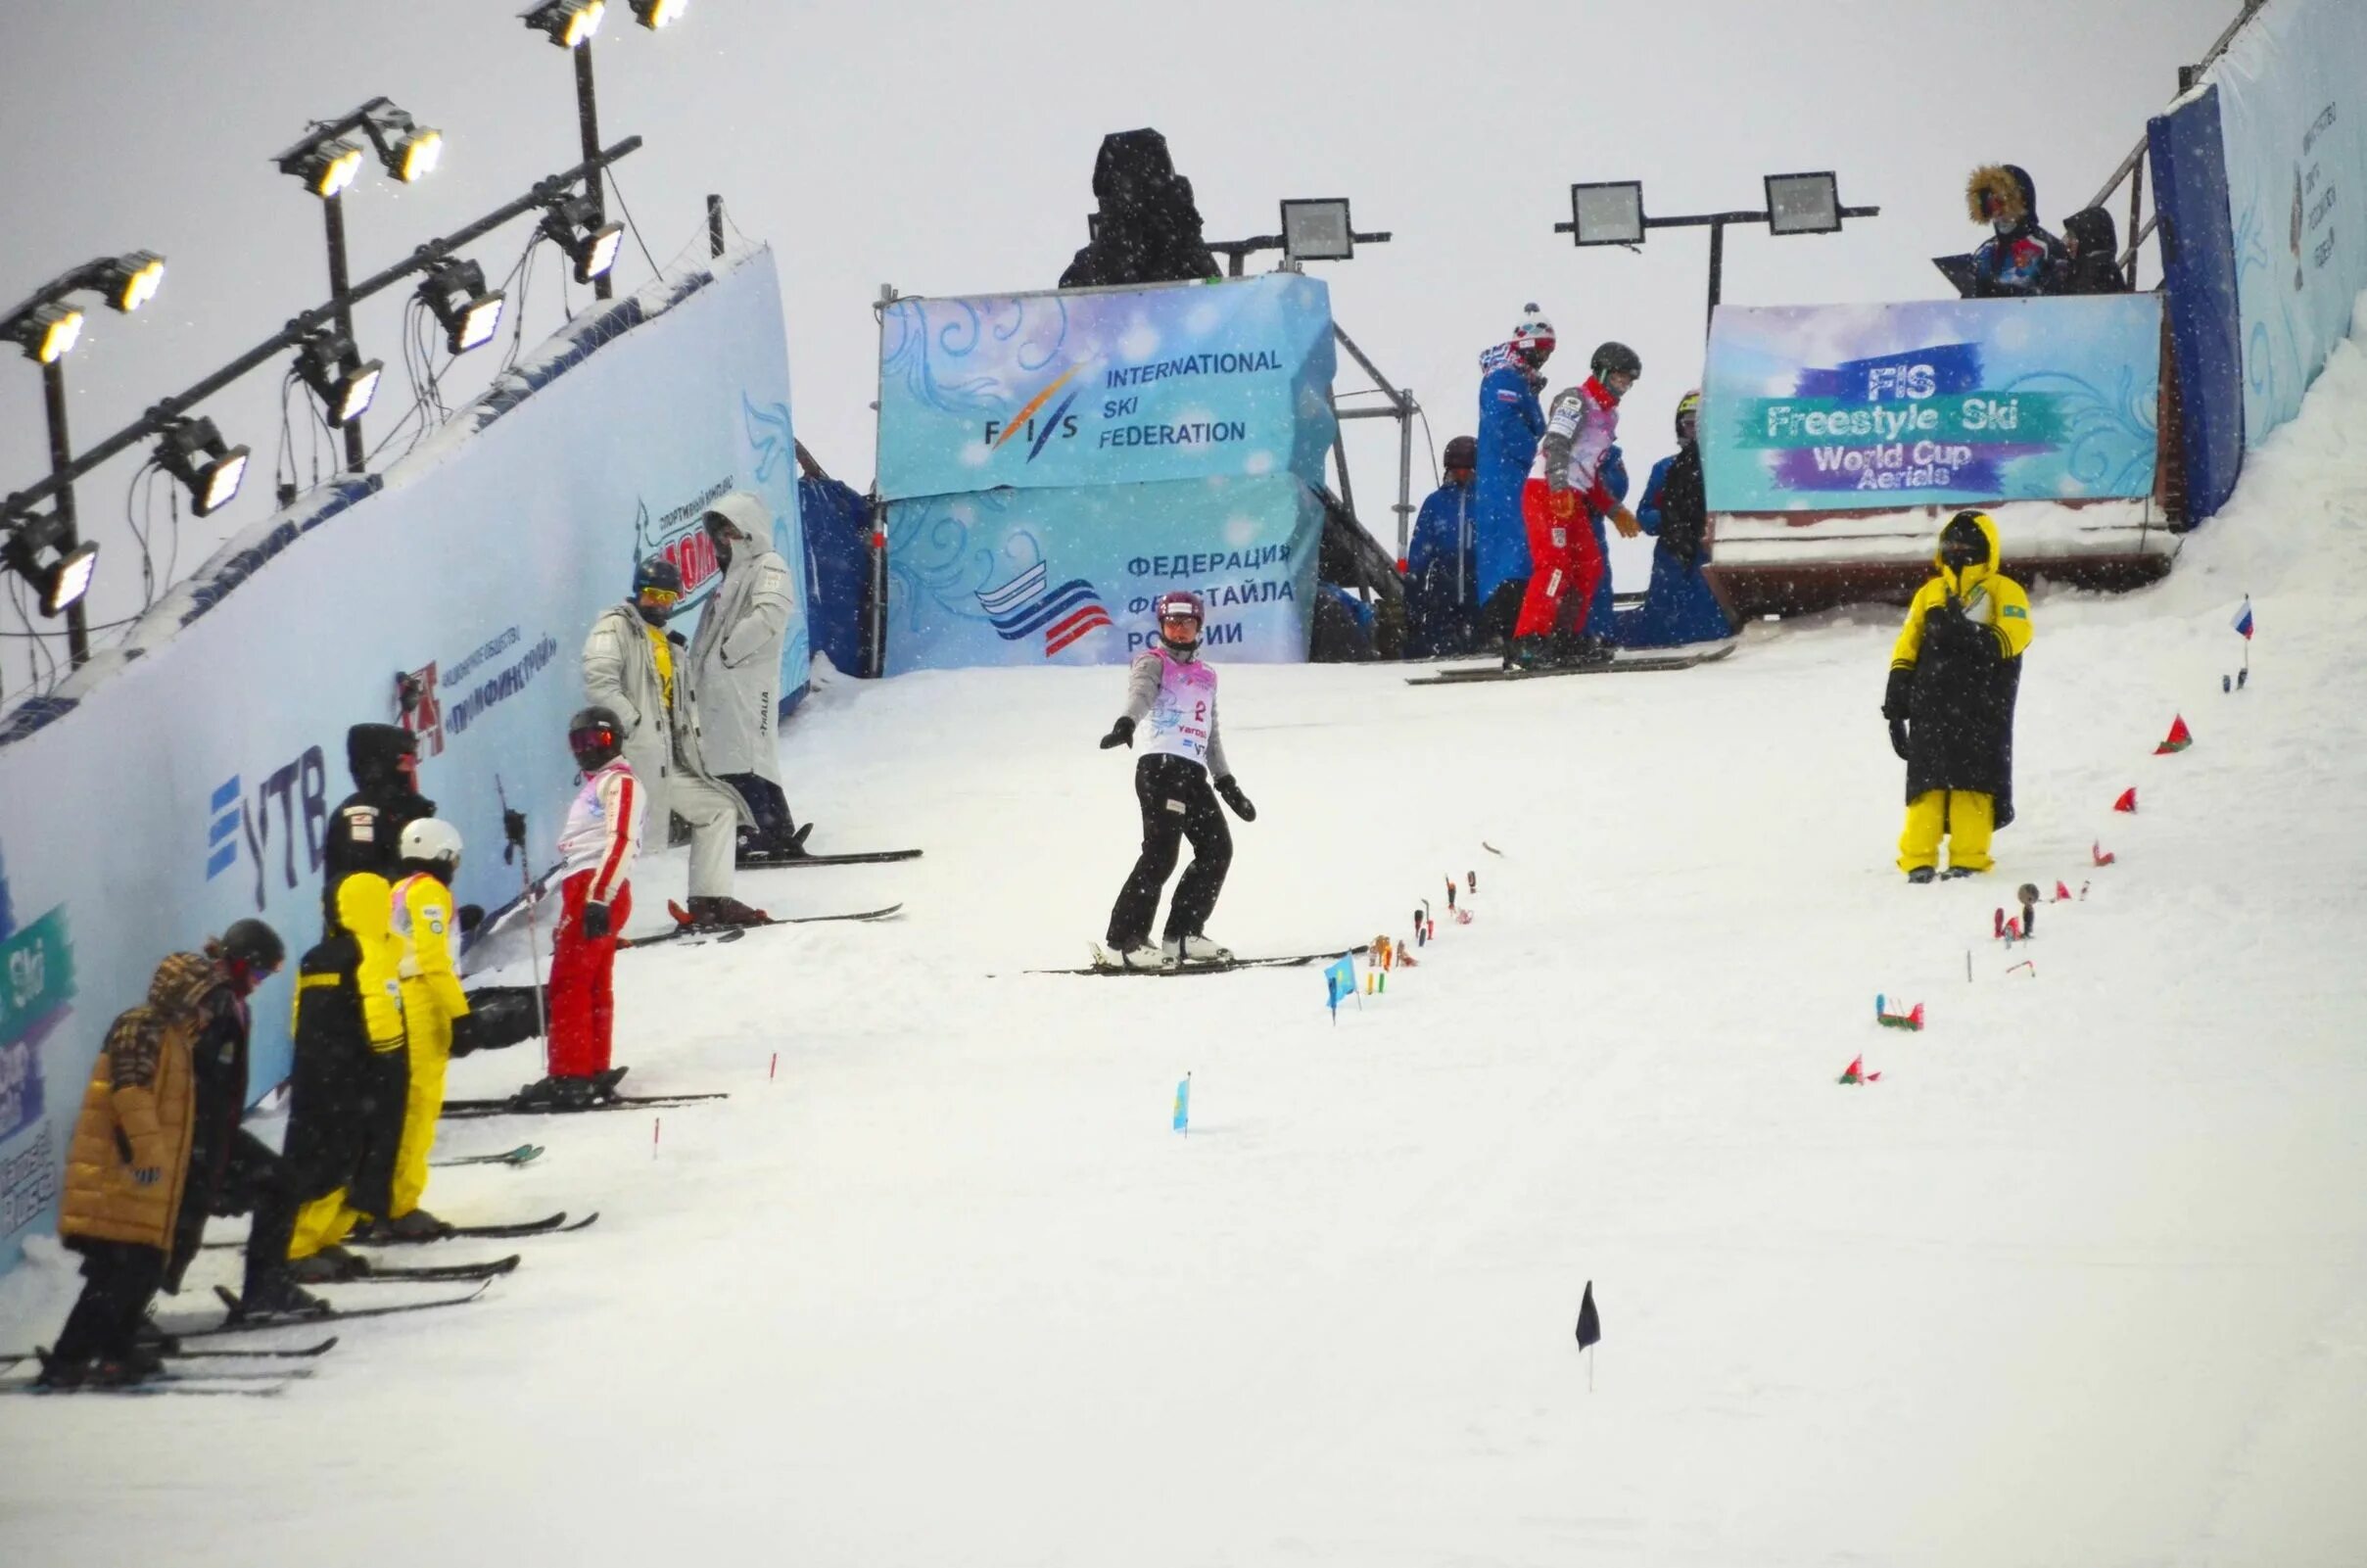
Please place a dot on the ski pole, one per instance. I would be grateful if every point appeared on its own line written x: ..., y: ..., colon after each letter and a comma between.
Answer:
x: 526, y: 888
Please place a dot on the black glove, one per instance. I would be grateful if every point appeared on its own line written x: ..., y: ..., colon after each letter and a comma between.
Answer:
x: 1121, y: 733
x: 1234, y: 798
x: 513, y: 834
x: 1950, y: 633
x: 464, y: 1035
x: 1898, y: 697
x: 471, y: 917
x: 1897, y: 737
x: 595, y: 922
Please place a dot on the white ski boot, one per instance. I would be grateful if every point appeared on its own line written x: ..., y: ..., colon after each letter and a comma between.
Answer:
x: 1194, y: 949
x: 1141, y: 956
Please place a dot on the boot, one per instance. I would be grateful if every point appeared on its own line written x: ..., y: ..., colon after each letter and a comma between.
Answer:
x: 279, y: 1297
x: 1953, y: 873
x: 1921, y: 874
x: 1198, y: 949
x: 726, y: 910
x: 327, y: 1267
x: 135, y: 1365
x: 603, y: 1084
x: 1525, y: 653
x: 1143, y: 955
x: 418, y: 1225
x: 150, y: 1333
x: 57, y: 1373
x: 557, y: 1094
x: 1586, y: 650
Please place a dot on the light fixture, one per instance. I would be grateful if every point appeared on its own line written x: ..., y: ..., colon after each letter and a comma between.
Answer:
x: 1318, y: 230
x: 343, y: 381
x: 1607, y: 213
x: 132, y: 281
x: 656, y: 14
x: 409, y: 150
x: 566, y: 23
x: 192, y: 451
x: 47, y: 331
x: 327, y: 167
x: 36, y: 552
x: 455, y: 289
x: 573, y: 224
x: 1802, y: 204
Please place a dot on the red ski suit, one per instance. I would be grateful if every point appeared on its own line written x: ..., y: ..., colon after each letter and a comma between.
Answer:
x: 1579, y: 434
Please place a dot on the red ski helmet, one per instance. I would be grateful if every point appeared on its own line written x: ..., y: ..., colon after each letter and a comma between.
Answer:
x: 1180, y: 601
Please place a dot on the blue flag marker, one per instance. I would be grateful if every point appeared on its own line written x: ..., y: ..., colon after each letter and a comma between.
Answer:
x: 1183, y: 1103
x: 1339, y: 980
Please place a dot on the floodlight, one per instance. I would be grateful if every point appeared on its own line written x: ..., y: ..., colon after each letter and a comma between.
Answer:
x: 1607, y: 213
x: 1317, y: 230
x: 192, y: 451
x: 37, y: 553
x: 132, y: 281
x: 341, y: 378
x: 573, y: 224
x: 327, y: 167
x: 47, y: 332
x: 655, y: 14
x: 409, y: 150
x: 566, y: 23
x: 470, y: 313
x: 1802, y: 204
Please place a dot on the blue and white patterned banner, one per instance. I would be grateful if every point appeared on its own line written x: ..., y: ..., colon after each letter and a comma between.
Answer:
x: 1226, y: 379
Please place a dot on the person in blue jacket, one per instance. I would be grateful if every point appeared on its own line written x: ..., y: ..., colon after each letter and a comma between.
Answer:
x: 1679, y: 607
x: 1442, y: 583
x: 1511, y: 423
x: 1602, y: 624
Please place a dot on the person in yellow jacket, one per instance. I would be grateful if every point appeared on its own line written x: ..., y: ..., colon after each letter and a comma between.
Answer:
x: 1955, y: 673
x: 434, y: 1012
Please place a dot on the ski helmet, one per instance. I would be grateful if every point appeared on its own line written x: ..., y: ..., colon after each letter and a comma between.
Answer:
x: 1462, y: 453
x: 1179, y: 603
x: 661, y: 577
x: 1616, y: 359
x: 431, y: 839
x: 596, y: 736
x: 250, y: 949
x: 1533, y: 339
x: 1688, y: 418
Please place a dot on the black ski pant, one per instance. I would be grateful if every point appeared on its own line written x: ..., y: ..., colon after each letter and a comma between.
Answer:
x: 119, y: 1279
x: 1501, y: 612
x: 1177, y: 804
x: 769, y: 806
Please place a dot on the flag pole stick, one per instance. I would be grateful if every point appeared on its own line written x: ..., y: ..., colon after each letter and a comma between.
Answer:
x: 1590, y: 1370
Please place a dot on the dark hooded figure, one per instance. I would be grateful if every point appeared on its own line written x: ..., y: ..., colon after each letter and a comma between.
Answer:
x: 1149, y: 229
x: 2019, y: 258
x: 2093, y: 244
x: 364, y: 830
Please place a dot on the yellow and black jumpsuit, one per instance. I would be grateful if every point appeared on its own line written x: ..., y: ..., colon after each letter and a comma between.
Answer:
x: 432, y: 999
x: 350, y: 1015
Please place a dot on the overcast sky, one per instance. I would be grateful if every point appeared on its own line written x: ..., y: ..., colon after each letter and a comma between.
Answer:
x: 947, y: 148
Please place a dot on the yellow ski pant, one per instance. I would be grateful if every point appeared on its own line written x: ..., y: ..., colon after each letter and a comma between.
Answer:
x: 1965, y: 817
x: 431, y: 1054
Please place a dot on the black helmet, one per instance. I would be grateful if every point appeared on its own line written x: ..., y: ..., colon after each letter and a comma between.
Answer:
x: 376, y: 753
x: 1616, y: 358
x: 662, y: 577
x: 596, y: 736
x: 1462, y: 453
x: 250, y: 949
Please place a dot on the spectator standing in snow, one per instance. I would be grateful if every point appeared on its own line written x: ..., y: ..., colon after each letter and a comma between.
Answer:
x: 1511, y: 424
x: 1954, y: 676
x: 2019, y: 258
x: 1680, y: 607
x: 736, y: 674
x: 1442, y: 581
x: 2092, y: 245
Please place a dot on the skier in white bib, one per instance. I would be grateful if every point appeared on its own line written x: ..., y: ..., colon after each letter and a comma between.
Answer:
x: 1171, y: 695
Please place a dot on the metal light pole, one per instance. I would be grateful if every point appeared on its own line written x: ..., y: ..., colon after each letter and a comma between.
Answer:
x: 61, y: 459
x: 588, y: 120
x: 332, y: 210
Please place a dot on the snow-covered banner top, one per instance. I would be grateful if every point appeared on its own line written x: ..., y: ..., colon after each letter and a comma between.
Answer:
x: 1106, y: 386
x: 1948, y: 402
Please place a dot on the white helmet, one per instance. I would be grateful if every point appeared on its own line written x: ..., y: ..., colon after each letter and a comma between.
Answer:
x: 430, y: 838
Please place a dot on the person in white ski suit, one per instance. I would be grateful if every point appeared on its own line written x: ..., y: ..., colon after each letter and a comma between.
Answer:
x: 635, y: 669
x: 734, y: 669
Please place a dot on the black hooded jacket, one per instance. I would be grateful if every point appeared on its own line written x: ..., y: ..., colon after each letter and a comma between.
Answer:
x: 364, y: 828
x: 1150, y: 229
x: 2094, y: 270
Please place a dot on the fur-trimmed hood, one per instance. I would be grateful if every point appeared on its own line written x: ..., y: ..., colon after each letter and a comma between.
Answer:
x: 2017, y: 198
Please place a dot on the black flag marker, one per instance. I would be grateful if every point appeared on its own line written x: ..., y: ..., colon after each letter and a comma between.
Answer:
x: 1590, y: 1323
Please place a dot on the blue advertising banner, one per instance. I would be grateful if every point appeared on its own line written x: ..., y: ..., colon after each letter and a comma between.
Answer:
x: 1106, y: 386
x: 1025, y: 577
x: 1943, y: 402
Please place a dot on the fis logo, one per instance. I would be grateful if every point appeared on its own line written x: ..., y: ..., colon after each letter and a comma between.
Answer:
x: 1024, y: 606
x: 1037, y: 432
x: 302, y: 790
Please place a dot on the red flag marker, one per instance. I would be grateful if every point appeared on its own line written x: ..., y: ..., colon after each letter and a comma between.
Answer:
x: 2178, y: 740
x: 2062, y: 894
x: 2097, y: 853
x: 1997, y: 924
x: 1855, y: 1072
x: 2128, y: 801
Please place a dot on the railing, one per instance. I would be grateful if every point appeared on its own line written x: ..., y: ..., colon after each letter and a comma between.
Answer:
x: 2131, y: 171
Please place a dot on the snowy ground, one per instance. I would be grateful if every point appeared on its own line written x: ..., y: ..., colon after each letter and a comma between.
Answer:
x: 2079, y: 1281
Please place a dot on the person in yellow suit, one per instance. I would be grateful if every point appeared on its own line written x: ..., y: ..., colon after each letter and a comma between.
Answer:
x: 1955, y: 673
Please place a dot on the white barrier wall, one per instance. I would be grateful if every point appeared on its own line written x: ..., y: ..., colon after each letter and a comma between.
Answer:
x: 189, y: 786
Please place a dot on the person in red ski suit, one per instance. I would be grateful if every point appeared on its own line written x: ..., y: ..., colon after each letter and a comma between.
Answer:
x: 1566, y: 565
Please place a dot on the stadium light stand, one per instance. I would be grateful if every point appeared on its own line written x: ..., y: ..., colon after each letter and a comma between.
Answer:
x: 132, y: 280
x: 409, y: 151
x: 343, y: 381
x: 656, y: 14
x: 43, y: 550
x: 1313, y: 229
x: 47, y: 331
x: 469, y: 312
x: 1612, y: 213
x: 192, y: 451
x: 574, y: 227
x: 570, y: 24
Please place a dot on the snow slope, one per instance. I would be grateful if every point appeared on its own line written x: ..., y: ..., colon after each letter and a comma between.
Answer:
x: 2078, y: 1281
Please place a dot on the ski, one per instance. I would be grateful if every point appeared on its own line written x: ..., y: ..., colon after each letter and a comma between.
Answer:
x: 169, y: 1382
x: 548, y: 1225
x: 300, y: 1353
x: 470, y: 1110
x: 1645, y: 662
x: 1277, y: 962
x: 236, y: 1324
x: 382, y: 1274
x: 687, y: 931
x: 874, y: 857
x: 523, y: 1154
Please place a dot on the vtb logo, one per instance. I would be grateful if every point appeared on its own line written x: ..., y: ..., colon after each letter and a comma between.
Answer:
x: 1038, y: 431
x: 302, y: 789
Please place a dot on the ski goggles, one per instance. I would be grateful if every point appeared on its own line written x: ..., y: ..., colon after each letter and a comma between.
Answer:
x: 660, y: 597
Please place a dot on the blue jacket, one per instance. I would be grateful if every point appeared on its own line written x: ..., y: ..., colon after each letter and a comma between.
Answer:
x: 1439, y: 531
x: 1512, y: 420
x: 1511, y: 423
x: 1679, y: 607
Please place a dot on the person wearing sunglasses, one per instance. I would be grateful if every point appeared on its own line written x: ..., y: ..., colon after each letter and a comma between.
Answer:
x: 637, y: 669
